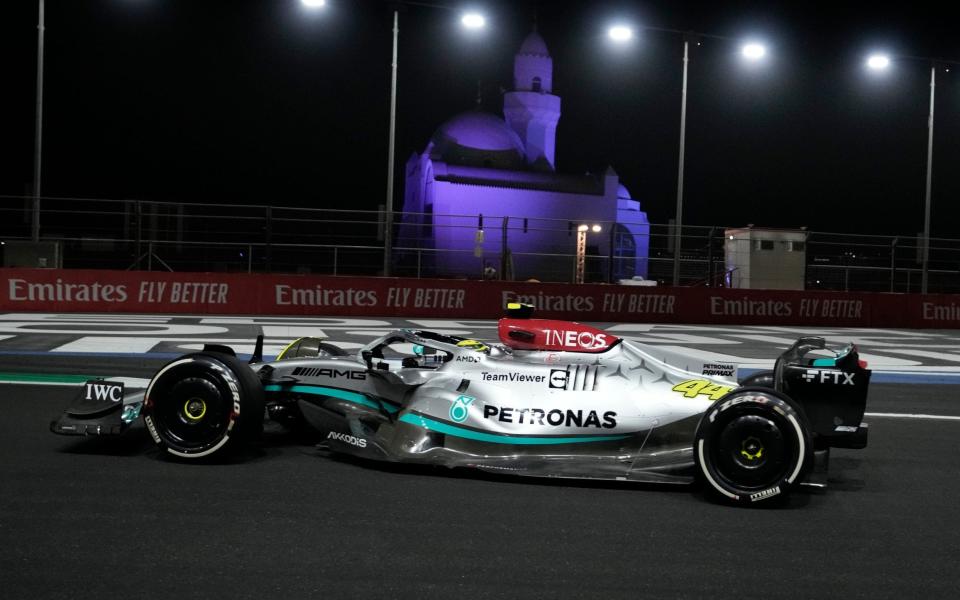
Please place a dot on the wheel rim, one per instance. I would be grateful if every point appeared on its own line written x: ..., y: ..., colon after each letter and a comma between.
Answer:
x: 194, y: 410
x: 194, y: 413
x: 753, y: 451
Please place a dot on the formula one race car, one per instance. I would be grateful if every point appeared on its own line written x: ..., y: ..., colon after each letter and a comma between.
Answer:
x: 555, y: 399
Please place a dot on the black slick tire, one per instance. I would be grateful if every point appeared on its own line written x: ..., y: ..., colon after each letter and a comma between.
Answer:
x: 752, y: 447
x: 204, y: 405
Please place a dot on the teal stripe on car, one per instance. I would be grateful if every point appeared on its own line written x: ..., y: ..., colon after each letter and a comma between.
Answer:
x: 318, y: 390
x: 493, y: 438
x: 825, y: 362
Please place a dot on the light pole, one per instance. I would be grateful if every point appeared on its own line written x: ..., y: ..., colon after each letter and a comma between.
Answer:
x: 469, y: 20
x: 678, y: 219
x: 388, y: 207
x: 38, y: 139
x: 924, y: 278
x: 881, y: 62
x: 582, y: 250
x: 752, y: 51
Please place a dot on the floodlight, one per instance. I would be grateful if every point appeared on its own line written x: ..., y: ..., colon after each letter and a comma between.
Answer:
x: 754, y: 51
x: 878, y: 62
x: 473, y: 20
x: 620, y: 33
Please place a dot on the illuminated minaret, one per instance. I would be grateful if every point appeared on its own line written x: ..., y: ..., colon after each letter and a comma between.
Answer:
x: 531, y: 110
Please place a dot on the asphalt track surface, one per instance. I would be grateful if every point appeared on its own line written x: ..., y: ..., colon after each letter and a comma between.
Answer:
x: 95, y: 518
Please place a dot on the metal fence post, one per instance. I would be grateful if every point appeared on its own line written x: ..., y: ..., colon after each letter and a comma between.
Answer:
x: 893, y: 263
x: 503, y: 247
x: 139, y: 218
x: 269, y: 239
x: 610, y: 269
x: 710, y: 257
x: 179, y: 228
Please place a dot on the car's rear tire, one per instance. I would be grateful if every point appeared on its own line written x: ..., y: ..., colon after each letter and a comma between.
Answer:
x: 752, y: 446
x: 310, y: 347
x: 204, y: 405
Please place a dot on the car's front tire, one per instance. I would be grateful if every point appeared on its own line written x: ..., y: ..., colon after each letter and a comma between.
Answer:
x: 203, y: 405
x: 752, y: 446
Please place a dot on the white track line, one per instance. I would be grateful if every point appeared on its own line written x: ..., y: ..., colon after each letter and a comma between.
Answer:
x: 910, y: 416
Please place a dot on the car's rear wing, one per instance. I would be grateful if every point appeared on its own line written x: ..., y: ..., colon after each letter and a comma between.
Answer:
x: 831, y: 389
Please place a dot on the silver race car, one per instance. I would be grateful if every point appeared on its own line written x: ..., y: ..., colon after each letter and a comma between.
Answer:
x: 553, y: 399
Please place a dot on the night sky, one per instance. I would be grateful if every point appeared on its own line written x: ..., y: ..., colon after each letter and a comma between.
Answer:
x: 265, y: 102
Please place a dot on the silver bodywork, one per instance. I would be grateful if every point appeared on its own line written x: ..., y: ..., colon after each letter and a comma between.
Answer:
x: 629, y: 412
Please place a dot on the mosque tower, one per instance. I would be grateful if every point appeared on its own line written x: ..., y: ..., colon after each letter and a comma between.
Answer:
x: 531, y: 110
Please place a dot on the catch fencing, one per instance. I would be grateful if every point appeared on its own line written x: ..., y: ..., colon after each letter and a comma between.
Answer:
x: 240, y: 238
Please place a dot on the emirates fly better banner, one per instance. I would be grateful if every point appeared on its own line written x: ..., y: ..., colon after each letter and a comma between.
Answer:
x: 49, y: 290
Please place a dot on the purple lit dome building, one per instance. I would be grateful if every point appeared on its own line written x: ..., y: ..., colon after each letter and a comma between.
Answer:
x: 504, y: 169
